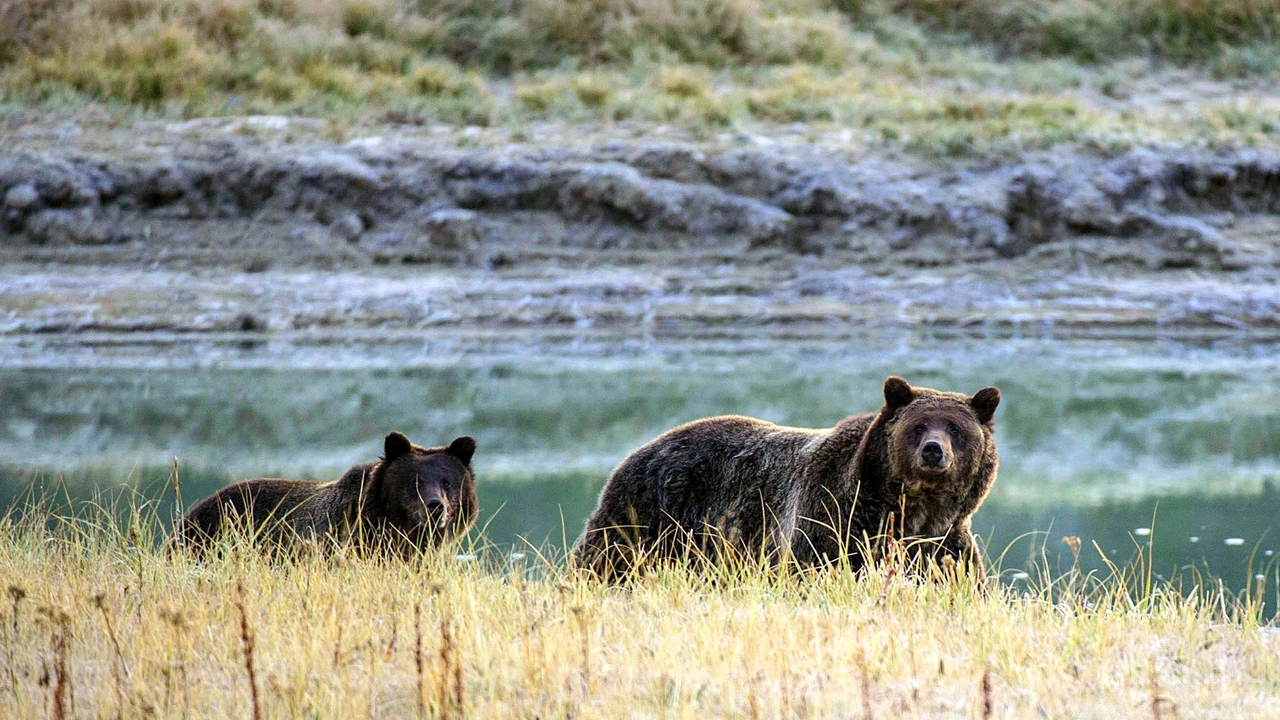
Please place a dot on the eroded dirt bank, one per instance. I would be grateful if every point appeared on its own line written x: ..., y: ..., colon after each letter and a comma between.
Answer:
x: 234, y: 233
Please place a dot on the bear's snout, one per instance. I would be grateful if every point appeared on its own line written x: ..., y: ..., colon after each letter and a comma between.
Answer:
x: 932, y: 454
x: 429, y: 512
x: 435, y: 512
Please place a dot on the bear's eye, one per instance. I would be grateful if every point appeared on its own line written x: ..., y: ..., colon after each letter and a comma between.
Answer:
x: 953, y: 430
x: 445, y: 484
x: 919, y: 429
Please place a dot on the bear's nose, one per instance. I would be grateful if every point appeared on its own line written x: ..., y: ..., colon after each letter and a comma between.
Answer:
x: 435, y: 506
x: 931, y: 453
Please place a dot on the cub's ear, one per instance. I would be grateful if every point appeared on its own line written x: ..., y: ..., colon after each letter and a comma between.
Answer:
x: 897, y: 393
x: 394, y: 446
x: 984, y: 403
x: 463, y: 448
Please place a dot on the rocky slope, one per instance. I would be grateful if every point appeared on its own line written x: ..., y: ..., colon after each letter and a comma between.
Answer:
x: 235, y: 234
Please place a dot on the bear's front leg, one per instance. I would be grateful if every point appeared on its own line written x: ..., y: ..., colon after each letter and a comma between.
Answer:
x: 961, y: 549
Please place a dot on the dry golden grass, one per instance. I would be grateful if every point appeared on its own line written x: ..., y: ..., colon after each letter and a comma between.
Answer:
x: 97, y: 623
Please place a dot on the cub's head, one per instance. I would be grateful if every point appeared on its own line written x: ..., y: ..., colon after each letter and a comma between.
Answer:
x: 426, y: 493
x: 939, y: 440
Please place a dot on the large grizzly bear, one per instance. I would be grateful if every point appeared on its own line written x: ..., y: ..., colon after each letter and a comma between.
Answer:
x: 411, y: 499
x: 918, y: 468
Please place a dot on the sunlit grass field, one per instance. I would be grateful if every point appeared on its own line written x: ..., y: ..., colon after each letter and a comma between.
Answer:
x: 943, y: 77
x: 99, y: 621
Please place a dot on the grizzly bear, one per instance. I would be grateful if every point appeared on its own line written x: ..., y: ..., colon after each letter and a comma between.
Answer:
x: 917, y: 469
x: 412, y: 499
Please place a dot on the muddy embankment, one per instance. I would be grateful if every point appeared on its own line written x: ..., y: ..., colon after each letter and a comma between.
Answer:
x: 236, y: 235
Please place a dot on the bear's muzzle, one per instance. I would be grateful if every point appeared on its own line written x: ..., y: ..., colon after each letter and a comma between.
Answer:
x: 934, y: 455
x: 437, y: 513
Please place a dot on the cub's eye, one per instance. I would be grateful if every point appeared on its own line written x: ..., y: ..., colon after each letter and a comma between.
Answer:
x: 446, y: 485
x: 953, y: 430
x: 919, y: 429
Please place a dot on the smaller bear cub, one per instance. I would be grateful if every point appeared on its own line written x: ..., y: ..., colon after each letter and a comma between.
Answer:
x: 412, y: 499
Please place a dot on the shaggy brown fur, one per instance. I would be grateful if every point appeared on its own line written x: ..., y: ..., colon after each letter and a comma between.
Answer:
x: 918, y: 468
x: 412, y: 498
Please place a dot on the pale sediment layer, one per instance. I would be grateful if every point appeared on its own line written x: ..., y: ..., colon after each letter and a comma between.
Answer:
x: 232, y: 234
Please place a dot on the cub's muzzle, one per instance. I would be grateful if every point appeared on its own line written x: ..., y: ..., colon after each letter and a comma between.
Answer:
x: 432, y: 514
x: 437, y: 512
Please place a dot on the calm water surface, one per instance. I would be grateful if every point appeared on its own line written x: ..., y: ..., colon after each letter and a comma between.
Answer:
x: 1121, y: 442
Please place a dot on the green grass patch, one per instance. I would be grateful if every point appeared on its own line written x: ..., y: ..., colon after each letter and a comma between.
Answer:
x: 944, y: 76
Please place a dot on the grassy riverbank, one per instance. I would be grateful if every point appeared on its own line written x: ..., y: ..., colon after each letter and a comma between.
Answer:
x: 96, y: 619
x: 936, y: 77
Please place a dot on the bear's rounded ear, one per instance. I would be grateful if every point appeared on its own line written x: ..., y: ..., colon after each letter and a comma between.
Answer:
x: 463, y: 448
x: 897, y: 393
x: 394, y: 446
x: 984, y: 403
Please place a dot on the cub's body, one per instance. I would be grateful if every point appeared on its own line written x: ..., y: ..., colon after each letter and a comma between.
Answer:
x: 411, y: 499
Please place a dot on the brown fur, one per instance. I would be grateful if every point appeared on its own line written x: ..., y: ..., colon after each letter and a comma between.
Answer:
x: 757, y: 488
x: 411, y: 499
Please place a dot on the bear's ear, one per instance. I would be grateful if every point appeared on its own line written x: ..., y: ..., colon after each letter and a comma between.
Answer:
x: 897, y: 393
x: 463, y: 448
x: 394, y: 446
x: 984, y: 403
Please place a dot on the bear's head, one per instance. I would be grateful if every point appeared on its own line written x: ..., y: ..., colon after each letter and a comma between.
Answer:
x: 940, y: 443
x: 428, y: 494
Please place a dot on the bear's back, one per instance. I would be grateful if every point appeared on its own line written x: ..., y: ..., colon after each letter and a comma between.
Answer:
x: 713, y: 471
x: 265, y: 504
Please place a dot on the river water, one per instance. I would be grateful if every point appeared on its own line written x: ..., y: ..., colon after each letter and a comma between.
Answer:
x: 1121, y: 441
